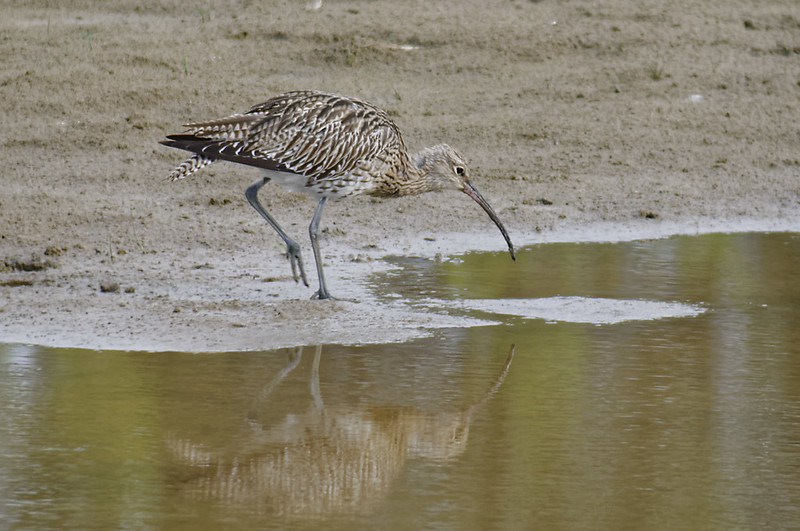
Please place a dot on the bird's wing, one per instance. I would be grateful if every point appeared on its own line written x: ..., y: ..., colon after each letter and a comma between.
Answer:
x: 310, y: 133
x: 319, y: 135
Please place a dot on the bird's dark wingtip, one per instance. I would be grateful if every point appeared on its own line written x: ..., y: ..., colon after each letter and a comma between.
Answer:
x: 182, y: 137
x: 185, y: 142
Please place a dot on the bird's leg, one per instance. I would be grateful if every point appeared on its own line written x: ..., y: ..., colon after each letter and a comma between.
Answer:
x: 313, y: 232
x: 294, y: 360
x: 313, y: 384
x: 292, y: 249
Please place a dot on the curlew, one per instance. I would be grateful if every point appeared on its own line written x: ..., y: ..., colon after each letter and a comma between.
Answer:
x: 330, y: 147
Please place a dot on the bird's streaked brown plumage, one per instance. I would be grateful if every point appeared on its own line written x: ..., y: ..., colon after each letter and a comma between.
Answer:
x: 326, y: 138
x: 326, y: 145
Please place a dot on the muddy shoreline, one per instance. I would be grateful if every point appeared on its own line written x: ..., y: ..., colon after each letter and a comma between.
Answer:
x: 581, y: 123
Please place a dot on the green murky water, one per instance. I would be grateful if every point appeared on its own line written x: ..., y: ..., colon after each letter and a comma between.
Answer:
x: 675, y: 423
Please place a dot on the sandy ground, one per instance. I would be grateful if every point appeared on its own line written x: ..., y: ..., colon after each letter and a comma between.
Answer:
x: 581, y: 119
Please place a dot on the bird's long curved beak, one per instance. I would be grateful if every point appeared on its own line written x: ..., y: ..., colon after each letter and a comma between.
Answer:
x: 474, y: 194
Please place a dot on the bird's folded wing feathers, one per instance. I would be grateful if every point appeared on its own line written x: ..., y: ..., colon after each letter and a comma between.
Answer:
x: 316, y: 135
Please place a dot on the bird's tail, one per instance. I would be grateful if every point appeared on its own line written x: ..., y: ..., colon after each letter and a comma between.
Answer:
x: 189, y: 167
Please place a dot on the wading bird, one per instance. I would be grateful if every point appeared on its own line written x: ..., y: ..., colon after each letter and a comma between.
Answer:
x: 330, y: 147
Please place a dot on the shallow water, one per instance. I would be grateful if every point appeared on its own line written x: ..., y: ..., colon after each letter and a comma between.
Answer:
x: 684, y: 414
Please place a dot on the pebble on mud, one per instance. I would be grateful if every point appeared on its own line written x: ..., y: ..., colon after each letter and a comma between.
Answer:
x: 109, y: 287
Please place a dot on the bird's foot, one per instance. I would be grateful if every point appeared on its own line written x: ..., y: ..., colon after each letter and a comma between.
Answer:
x: 321, y: 294
x: 296, y: 260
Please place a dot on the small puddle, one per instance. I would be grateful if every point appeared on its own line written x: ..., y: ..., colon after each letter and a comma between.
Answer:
x: 597, y: 283
x: 650, y: 385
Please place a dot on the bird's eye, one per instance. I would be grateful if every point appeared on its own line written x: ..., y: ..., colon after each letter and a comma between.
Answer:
x: 460, y: 171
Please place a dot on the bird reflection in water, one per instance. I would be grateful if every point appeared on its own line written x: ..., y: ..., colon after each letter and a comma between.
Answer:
x: 326, y: 460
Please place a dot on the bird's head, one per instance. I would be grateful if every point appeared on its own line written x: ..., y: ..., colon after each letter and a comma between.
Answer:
x: 444, y: 168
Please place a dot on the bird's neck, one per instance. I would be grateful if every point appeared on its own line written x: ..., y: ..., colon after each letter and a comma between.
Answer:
x: 415, y: 177
x: 405, y: 176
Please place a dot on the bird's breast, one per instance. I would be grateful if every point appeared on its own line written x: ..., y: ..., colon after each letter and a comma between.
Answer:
x: 333, y: 187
